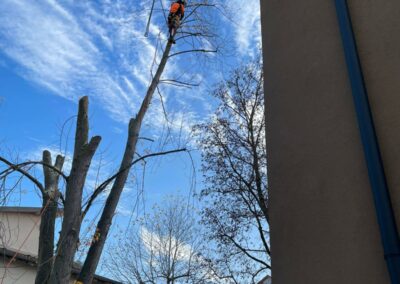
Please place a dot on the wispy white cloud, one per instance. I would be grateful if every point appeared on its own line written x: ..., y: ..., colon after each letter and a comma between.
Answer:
x: 158, y: 245
x: 124, y: 211
x: 43, y: 44
x: 75, y: 54
x: 96, y: 49
x: 246, y: 24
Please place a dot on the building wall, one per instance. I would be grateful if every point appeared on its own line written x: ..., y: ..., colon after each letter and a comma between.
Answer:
x: 323, y: 224
x: 17, y: 273
x: 20, y: 231
x: 20, y: 272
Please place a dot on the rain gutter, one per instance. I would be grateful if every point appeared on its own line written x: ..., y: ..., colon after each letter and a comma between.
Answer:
x: 383, y: 206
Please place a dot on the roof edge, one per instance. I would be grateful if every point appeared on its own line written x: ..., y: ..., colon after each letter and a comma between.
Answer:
x: 26, y: 210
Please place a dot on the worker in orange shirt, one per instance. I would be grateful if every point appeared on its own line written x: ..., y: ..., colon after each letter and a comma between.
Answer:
x: 176, y: 14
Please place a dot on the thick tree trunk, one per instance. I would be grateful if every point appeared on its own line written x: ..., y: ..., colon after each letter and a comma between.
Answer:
x: 69, y: 236
x: 48, y: 218
x: 103, y: 226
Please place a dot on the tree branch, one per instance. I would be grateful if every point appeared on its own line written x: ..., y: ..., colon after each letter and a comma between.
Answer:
x: 104, y: 185
x: 193, y: 50
x: 197, y: 6
x: 238, y: 246
x: 25, y: 173
x: 179, y: 83
x: 51, y: 167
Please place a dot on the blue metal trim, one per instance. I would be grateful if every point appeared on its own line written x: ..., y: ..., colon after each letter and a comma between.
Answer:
x: 384, y: 211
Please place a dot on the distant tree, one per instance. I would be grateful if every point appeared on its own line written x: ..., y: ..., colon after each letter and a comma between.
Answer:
x: 166, y: 248
x: 234, y: 165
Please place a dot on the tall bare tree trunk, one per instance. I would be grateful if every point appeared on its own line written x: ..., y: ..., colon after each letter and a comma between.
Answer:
x: 48, y: 218
x: 103, y: 226
x: 69, y: 236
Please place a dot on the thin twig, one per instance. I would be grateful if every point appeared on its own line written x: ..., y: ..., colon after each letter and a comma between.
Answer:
x: 25, y: 173
x: 104, y: 185
x: 193, y: 50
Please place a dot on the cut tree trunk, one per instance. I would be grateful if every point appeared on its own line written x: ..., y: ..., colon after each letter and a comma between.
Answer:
x: 69, y: 236
x: 48, y: 218
x: 103, y: 226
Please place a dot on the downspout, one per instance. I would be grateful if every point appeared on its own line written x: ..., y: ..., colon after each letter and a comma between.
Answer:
x: 384, y: 211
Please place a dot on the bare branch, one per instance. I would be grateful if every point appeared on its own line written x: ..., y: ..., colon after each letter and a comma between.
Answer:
x: 179, y: 83
x: 162, y: 104
x: 24, y: 164
x: 196, y: 7
x: 194, y: 50
x: 25, y: 173
x: 145, y: 138
x: 104, y: 185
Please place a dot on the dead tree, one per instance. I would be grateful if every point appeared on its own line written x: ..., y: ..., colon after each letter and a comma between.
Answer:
x: 56, y: 267
x: 69, y: 236
x: 103, y: 226
x: 50, y: 199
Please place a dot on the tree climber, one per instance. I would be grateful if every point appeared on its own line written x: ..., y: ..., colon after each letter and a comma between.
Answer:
x: 176, y: 14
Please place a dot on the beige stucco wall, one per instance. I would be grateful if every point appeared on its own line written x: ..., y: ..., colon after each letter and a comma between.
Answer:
x: 17, y: 273
x: 20, y: 231
x: 323, y: 224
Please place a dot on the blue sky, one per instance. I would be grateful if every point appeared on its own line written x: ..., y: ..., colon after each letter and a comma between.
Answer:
x: 54, y: 51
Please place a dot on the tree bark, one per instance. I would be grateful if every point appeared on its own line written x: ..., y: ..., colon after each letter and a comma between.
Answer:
x: 69, y: 236
x: 48, y: 218
x: 103, y: 226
